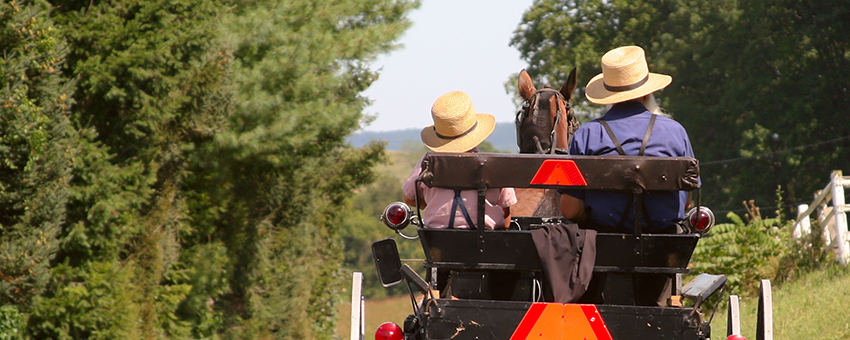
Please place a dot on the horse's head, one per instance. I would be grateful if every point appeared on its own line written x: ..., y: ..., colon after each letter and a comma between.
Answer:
x: 546, y: 117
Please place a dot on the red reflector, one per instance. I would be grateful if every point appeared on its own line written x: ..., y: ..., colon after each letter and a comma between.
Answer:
x: 389, y: 331
x: 559, y: 172
x: 396, y: 214
x: 700, y: 220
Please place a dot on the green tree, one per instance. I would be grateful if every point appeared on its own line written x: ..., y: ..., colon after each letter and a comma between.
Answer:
x: 754, y: 82
x: 36, y: 146
x: 150, y: 90
x: 780, y: 97
x: 195, y: 187
x: 284, y: 167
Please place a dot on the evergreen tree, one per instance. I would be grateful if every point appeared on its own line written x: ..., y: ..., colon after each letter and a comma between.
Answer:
x: 151, y: 89
x: 194, y: 187
x: 35, y: 150
x: 284, y: 169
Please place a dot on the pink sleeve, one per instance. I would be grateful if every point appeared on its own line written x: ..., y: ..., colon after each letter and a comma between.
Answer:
x: 507, y: 197
x: 408, y: 186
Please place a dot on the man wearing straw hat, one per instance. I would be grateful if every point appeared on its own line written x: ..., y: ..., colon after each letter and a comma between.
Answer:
x: 633, y: 125
x: 457, y: 128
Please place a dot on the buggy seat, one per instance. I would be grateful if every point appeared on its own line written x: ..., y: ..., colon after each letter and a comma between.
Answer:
x: 514, y: 250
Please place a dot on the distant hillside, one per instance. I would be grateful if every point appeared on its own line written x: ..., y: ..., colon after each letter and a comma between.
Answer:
x: 502, y: 138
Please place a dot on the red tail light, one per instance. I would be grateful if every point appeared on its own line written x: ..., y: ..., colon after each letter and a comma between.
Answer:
x: 700, y: 221
x: 396, y: 216
x: 389, y: 331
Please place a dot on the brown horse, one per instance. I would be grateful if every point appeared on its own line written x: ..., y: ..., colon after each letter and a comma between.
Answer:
x: 538, y: 135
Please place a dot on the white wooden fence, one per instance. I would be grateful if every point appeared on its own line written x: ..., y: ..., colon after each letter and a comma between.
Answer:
x: 358, y: 307
x: 832, y: 219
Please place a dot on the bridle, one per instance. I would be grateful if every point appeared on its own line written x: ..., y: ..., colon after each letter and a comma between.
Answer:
x: 533, y: 103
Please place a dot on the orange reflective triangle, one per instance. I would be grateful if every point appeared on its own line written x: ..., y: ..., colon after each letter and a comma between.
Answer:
x: 559, y: 172
x: 545, y: 321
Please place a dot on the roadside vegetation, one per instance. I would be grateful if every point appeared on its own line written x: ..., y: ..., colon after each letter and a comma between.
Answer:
x: 752, y: 247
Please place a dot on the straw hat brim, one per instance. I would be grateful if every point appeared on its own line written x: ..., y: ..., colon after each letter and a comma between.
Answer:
x: 597, y: 93
x: 486, y: 124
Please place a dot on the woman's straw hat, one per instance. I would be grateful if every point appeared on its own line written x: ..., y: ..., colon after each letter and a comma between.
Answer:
x: 625, y: 76
x: 457, y: 128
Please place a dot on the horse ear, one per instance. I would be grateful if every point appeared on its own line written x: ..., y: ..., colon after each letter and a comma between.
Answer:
x: 526, y: 88
x: 569, y: 86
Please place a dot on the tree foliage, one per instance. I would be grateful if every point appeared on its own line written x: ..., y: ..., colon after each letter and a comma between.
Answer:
x: 299, y: 69
x: 190, y: 181
x: 149, y: 80
x: 754, y: 82
x: 36, y: 145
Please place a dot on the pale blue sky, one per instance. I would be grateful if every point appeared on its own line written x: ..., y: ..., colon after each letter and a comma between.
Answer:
x: 452, y: 45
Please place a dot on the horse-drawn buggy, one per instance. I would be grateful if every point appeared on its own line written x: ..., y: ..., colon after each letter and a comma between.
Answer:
x: 544, y: 277
x: 497, y: 278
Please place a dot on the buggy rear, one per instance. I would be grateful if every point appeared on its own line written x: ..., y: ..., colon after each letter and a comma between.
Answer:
x: 498, y: 277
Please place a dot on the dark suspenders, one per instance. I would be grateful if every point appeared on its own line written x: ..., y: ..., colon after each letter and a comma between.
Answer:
x: 458, y: 201
x: 617, y: 141
x: 623, y: 153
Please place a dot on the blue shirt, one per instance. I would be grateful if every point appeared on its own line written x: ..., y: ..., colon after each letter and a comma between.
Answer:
x: 629, y: 121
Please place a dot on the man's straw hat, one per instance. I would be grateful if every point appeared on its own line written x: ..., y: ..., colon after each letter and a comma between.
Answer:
x: 457, y: 128
x: 625, y: 76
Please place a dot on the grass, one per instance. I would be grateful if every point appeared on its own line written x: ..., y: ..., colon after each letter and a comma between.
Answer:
x: 811, y: 307
x: 393, y: 309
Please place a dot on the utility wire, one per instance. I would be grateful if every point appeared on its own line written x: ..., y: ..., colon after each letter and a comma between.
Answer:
x: 738, y: 211
x: 801, y: 147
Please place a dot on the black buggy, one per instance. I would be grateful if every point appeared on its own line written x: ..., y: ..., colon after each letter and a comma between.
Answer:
x: 498, y: 275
